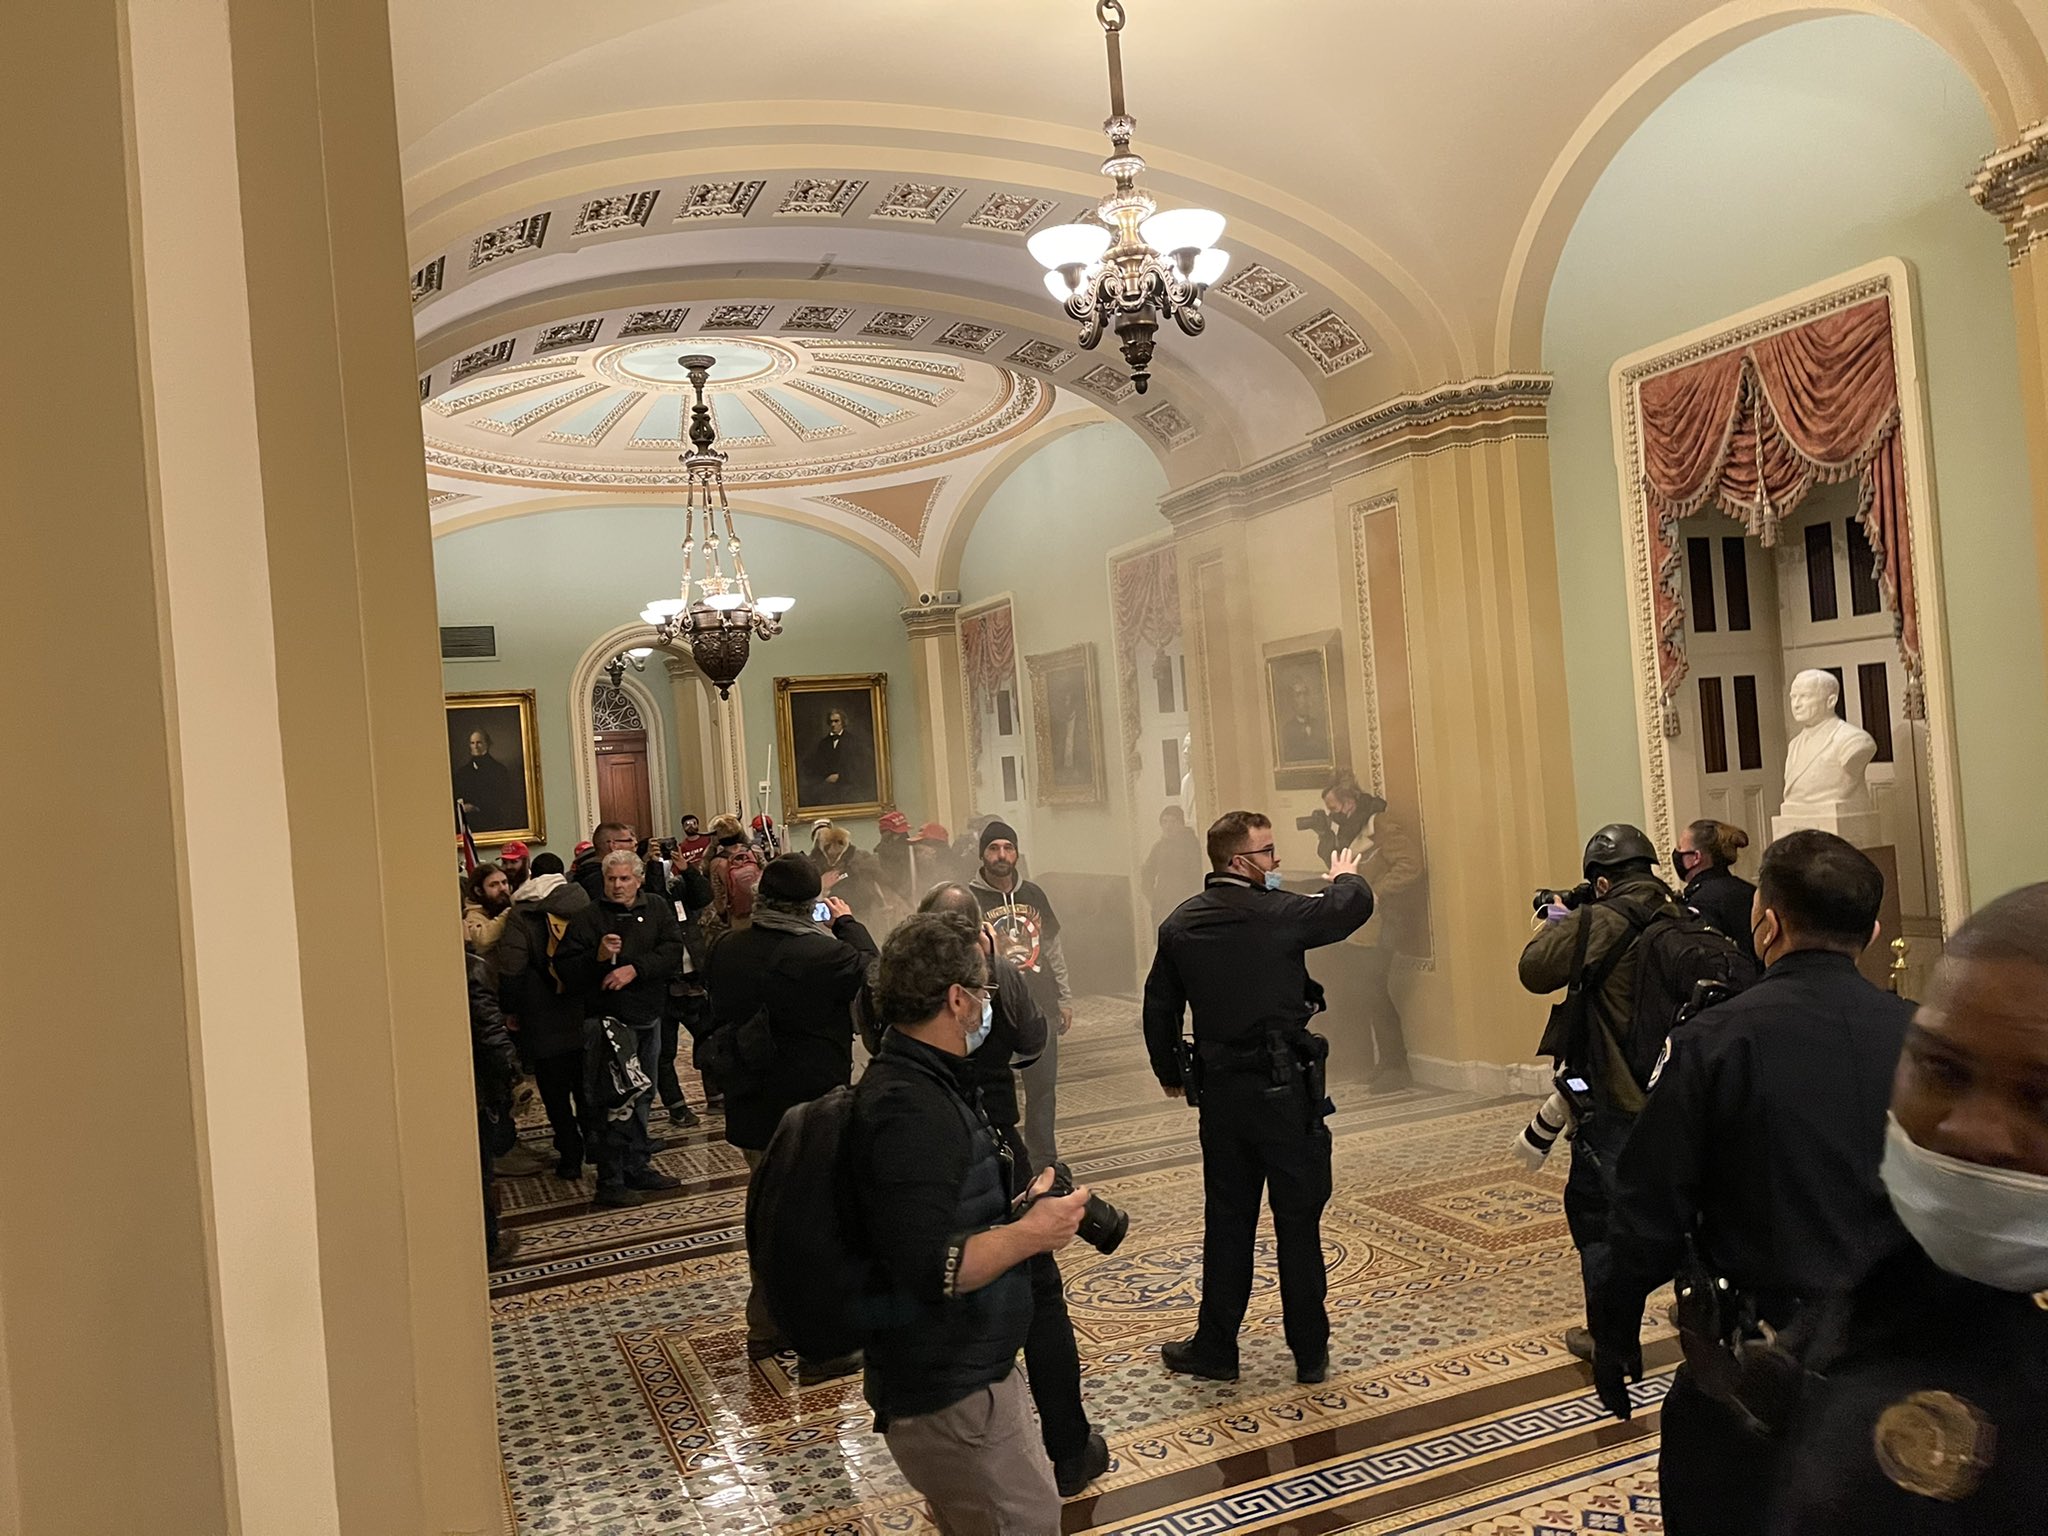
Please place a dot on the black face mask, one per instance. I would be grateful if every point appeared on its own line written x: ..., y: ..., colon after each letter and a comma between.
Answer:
x: 1678, y: 857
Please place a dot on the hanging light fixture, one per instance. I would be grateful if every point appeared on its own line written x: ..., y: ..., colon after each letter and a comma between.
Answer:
x: 722, y: 620
x: 1136, y: 265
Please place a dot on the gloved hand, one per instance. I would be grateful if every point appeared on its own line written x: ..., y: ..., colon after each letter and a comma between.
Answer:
x: 1615, y: 1364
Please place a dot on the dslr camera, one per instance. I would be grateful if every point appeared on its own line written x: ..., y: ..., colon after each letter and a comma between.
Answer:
x: 1317, y: 822
x: 1571, y: 900
x: 1102, y: 1225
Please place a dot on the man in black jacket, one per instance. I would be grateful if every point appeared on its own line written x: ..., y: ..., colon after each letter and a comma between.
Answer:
x: 618, y: 955
x: 1759, y: 1147
x: 685, y: 884
x: 547, y: 1016
x: 1017, y: 1032
x: 804, y: 977
x: 934, y: 1207
x: 1235, y: 956
x: 1028, y: 932
x: 496, y: 1066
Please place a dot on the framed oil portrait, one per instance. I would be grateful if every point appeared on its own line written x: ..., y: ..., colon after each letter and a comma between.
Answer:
x: 1066, y: 727
x: 832, y: 740
x: 494, y: 766
x: 1311, y: 732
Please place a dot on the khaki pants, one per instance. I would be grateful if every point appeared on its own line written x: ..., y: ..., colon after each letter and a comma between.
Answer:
x: 981, y: 1465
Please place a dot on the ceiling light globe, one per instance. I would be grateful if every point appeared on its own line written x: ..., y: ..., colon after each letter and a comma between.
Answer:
x: 723, y: 601
x: 1210, y: 265
x: 1181, y: 229
x: 662, y: 608
x: 775, y: 607
x: 1070, y: 245
x: 1056, y: 285
x: 641, y: 652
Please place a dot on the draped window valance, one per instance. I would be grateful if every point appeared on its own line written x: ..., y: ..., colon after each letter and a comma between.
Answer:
x: 1753, y: 430
x: 1145, y: 604
x: 988, y: 656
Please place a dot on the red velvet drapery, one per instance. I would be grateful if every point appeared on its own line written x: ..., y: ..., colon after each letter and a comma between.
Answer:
x: 1145, y: 605
x: 1754, y: 429
x: 988, y: 655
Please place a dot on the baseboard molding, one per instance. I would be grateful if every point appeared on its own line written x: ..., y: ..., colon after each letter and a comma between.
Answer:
x: 1488, y: 1077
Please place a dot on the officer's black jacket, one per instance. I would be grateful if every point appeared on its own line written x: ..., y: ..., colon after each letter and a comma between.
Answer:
x: 1234, y: 955
x: 1912, y: 1328
x: 1765, y: 1128
x: 1724, y: 899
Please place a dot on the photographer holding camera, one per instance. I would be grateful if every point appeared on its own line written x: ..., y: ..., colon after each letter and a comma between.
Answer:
x: 1234, y: 955
x: 932, y: 1192
x: 1588, y: 944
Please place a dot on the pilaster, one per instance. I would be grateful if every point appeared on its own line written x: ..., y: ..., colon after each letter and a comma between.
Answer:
x: 2012, y: 186
x: 941, y: 689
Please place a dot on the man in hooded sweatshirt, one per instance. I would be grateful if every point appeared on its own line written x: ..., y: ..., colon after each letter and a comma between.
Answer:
x: 1028, y: 930
x: 549, y: 1020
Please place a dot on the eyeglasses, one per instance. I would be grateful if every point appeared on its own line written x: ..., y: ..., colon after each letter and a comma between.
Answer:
x: 1258, y: 853
x: 985, y: 988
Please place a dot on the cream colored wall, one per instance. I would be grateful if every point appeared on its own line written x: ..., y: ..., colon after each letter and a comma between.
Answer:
x: 1045, y: 537
x: 1802, y: 155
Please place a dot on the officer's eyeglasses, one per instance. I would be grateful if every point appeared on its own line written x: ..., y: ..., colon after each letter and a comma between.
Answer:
x: 1258, y: 853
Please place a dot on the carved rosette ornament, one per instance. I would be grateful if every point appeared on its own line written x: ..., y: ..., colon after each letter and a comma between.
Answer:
x: 2012, y: 186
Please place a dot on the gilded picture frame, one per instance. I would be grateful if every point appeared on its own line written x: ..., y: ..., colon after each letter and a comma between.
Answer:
x: 839, y: 772
x: 498, y: 786
x: 1308, y: 727
x: 1066, y: 727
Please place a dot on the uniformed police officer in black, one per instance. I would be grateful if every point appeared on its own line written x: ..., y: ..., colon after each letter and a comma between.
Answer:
x: 1234, y: 955
x: 1927, y: 1407
x: 1755, y: 1162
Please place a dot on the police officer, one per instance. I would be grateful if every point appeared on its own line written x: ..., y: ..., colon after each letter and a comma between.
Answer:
x: 1929, y: 1405
x: 1591, y: 949
x: 1234, y: 955
x: 1758, y: 1150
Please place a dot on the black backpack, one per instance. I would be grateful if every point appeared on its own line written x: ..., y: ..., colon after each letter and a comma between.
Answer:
x: 817, y: 1283
x: 1676, y: 952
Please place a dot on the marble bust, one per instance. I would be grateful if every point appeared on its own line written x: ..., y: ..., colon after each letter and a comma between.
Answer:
x: 1824, y: 767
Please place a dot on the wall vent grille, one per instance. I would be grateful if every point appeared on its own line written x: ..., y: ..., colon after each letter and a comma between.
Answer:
x: 469, y: 642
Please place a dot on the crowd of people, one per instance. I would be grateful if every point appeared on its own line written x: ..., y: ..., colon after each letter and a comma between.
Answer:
x: 1849, y: 1195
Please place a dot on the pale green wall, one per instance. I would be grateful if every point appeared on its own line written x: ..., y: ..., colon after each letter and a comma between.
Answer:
x: 1811, y: 151
x: 1045, y: 537
x: 554, y: 582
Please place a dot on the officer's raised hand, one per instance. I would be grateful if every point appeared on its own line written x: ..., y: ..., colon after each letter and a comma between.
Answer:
x: 1614, y: 1366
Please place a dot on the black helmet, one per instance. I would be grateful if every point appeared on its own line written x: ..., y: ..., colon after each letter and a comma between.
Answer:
x: 1615, y: 845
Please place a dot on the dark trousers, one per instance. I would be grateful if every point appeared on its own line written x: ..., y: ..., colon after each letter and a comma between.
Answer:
x: 1714, y: 1478
x: 648, y: 1038
x: 1250, y: 1144
x: 483, y: 1141
x: 1594, y: 1148
x: 617, y: 1147
x: 1052, y: 1363
x: 1389, y: 1048
x: 684, y: 1016
x: 560, y: 1081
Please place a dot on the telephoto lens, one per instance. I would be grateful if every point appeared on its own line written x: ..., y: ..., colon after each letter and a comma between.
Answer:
x: 1102, y: 1225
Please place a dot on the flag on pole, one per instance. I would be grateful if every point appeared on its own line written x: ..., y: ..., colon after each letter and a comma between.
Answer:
x: 463, y: 838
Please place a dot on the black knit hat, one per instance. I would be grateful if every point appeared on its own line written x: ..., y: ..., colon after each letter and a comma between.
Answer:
x: 790, y: 879
x: 998, y: 832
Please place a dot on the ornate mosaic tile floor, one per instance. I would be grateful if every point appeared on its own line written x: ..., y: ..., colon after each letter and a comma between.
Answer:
x: 627, y: 1405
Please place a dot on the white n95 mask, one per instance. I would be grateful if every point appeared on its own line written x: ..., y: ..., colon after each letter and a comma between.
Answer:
x: 1985, y: 1224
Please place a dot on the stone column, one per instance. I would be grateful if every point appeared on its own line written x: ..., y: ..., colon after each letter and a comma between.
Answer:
x: 941, y: 700
x: 257, y: 1290
x: 696, y: 739
x: 2012, y: 186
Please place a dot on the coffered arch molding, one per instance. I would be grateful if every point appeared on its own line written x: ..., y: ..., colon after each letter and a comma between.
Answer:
x: 1226, y: 441
x: 595, y: 501
x: 1988, y: 39
x: 1416, y: 338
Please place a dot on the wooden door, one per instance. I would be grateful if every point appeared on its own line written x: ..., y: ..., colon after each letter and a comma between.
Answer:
x: 623, y: 792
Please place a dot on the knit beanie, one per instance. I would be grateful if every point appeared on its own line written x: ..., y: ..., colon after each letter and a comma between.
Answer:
x: 998, y: 832
x: 790, y: 879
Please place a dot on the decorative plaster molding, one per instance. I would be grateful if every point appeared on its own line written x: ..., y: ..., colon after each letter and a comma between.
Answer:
x: 932, y: 621
x: 1518, y: 398
x: 2012, y: 186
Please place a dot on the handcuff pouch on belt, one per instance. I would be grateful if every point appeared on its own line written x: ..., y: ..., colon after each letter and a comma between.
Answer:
x: 1191, y: 1069
x: 1754, y: 1370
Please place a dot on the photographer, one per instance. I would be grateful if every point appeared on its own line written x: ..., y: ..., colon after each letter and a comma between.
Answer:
x: 1588, y: 943
x: 1234, y: 955
x: 933, y: 1205
x: 1389, y: 860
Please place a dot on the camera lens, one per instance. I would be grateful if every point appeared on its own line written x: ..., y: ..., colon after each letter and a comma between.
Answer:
x: 1102, y: 1225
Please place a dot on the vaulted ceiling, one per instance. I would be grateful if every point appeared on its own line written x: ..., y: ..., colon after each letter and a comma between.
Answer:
x: 1399, y: 178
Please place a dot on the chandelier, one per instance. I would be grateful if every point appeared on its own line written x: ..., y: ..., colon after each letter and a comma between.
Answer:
x: 1133, y: 265
x: 721, y: 622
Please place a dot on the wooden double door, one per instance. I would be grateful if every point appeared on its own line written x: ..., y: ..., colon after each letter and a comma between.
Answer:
x: 623, y: 788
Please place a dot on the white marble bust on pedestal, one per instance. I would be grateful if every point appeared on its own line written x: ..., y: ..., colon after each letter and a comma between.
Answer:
x: 1824, y: 783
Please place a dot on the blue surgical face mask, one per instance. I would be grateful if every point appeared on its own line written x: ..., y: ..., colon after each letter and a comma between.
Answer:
x: 975, y: 1037
x: 1273, y: 880
x: 1989, y: 1225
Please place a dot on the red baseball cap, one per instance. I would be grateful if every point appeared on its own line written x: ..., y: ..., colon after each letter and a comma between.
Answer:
x: 933, y: 832
x: 513, y: 850
x: 584, y: 847
x: 895, y: 821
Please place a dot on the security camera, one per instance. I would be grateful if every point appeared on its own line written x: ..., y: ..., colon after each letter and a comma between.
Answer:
x: 925, y: 599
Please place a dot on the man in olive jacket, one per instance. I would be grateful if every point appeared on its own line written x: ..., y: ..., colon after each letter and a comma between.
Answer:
x: 618, y: 955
